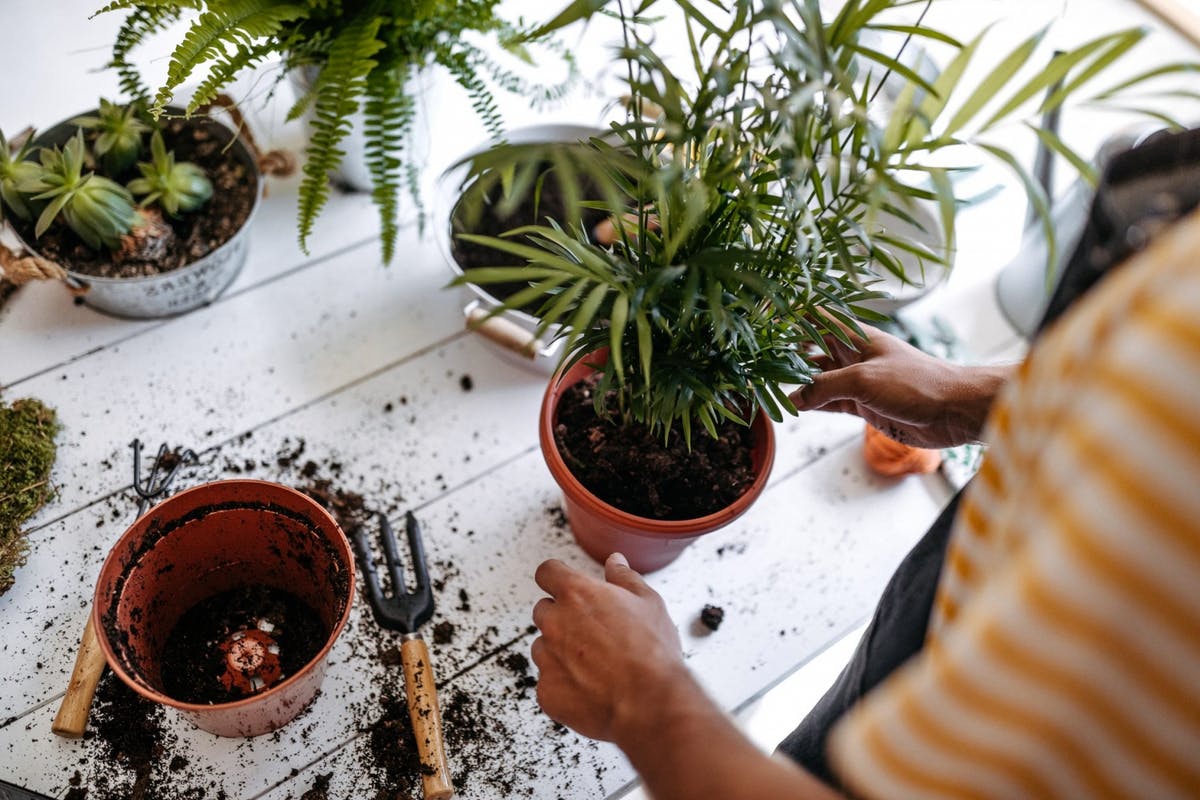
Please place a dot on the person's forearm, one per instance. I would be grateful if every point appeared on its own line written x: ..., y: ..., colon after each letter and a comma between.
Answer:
x: 972, y: 399
x: 684, y: 747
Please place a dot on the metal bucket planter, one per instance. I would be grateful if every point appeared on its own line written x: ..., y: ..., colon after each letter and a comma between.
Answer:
x: 205, y: 541
x: 179, y: 290
x: 513, y: 331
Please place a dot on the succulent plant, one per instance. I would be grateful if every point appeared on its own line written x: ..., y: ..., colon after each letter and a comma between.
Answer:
x: 119, y: 142
x: 15, y: 169
x: 174, y: 186
x: 99, y: 210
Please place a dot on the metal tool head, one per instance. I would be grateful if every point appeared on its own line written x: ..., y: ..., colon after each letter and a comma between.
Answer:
x: 402, y: 609
x: 166, y: 464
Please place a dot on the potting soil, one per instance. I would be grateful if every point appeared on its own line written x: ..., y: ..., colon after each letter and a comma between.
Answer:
x: 238, y: 643
x: 628, y: 467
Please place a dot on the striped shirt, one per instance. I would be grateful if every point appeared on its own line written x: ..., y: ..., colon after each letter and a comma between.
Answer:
x: 1063, y: 658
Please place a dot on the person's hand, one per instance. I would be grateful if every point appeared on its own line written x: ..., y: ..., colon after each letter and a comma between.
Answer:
x: 909, y: 395
x: 607, y: 648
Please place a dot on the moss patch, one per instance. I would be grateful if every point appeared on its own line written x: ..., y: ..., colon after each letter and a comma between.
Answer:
x: 27, y: 430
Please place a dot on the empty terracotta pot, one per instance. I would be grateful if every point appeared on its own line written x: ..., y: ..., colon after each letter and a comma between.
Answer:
x: 202, y: 542
x: 602, y: 529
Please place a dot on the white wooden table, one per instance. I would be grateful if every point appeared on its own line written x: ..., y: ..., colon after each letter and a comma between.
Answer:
x: 366, y: 367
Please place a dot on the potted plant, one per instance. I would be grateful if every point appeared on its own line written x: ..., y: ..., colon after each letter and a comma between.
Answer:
x: 124, y: 208
x: 363, y: 57
x: 745, y: 200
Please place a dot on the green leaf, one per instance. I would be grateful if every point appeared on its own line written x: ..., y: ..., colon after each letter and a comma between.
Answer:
x: 1142, y: 77
x: 1037, y: 197
x: 947, y: 81
x: 1120, y: 44
x: 574, y: 12
x: 996, y: 80
x: 585, y: 315
x: 1055, y: 143
x: 616, y: 334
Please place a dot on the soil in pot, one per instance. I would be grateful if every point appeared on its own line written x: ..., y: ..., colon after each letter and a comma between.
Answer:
x: 176, y: 242
x: 627, y: 467
x: 535, y: 209
x: 238, y: 643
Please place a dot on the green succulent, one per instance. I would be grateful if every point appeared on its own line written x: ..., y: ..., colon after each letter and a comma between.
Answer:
x: 176, y: 187
x: 120, y: 135
x: 15, y: 169
x: 99, y: 210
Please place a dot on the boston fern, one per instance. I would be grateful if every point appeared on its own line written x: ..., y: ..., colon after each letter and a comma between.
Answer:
x: 747, y: 192
x: 365, y: 52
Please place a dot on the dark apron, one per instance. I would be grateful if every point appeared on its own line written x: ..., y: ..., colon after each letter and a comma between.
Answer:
x: 1142, y: 191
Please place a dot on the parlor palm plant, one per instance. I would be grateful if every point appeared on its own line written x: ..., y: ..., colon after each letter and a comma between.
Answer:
x: 365, y: 52
x: 749, y: 189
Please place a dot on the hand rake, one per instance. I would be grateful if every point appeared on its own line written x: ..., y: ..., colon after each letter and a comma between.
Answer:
x: 71, y: 719
x: 405, y: 611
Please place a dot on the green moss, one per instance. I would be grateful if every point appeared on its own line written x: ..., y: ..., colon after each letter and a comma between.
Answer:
x: 27, y: 431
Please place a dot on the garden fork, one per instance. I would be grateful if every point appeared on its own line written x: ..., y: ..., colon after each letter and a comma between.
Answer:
x: 405, y: 611
x: 72, y: 715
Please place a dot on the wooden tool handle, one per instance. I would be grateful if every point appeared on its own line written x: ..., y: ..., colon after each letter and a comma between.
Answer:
x: 89, y: 666
x: 505, y: 333
x: 1178, y: 16
x: 426, y: 719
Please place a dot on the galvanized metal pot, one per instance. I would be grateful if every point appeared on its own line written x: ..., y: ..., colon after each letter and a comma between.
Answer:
x: 179, y: 290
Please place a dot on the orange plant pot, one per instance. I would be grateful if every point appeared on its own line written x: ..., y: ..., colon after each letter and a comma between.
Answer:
x: 602, y: 529
x: 211, y: 539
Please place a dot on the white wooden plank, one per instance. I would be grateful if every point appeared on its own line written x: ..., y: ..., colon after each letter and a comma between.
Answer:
x: 826, y: 538
x: 212, y: 374
x: 404, y: 438
x: 41, y: 327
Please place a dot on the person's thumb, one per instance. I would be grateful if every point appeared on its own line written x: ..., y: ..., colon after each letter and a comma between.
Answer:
x: 826, y: 388
x: 618, y: 572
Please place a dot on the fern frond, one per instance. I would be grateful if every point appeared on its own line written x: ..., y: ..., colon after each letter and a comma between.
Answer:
x: 230, y: 24
x: 341, y: 83
x: 388, y: 119
x: 461, y: 65
x: 226, y: 68
x: 144, y: 21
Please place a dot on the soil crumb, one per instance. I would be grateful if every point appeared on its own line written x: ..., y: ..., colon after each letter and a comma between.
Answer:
x: 711, y: 617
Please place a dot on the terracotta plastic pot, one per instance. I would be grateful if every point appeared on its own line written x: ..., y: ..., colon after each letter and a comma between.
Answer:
x: 211, y: 539
x: 602, y: 529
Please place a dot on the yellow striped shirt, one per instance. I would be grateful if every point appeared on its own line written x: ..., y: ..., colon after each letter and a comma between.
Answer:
x: 1063, y: 658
